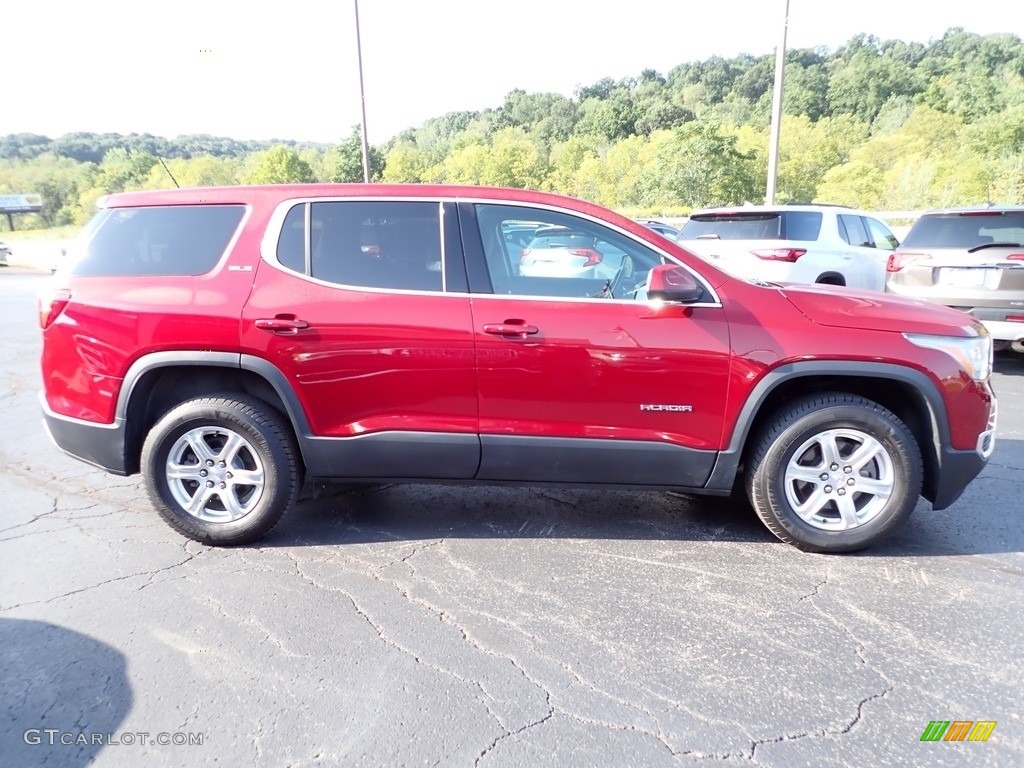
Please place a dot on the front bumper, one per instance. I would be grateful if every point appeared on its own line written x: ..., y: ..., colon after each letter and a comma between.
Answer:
x: 958, y: 468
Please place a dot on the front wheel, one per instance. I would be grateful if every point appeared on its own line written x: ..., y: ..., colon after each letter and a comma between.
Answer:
x: 834, y: 473
x: 221, y: 470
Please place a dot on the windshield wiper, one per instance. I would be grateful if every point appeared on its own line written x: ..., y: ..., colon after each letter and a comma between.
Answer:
x: 993, y: 245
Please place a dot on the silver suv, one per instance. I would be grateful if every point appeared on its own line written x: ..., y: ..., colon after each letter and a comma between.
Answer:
x: 793, y: 243
x: 971, y: 259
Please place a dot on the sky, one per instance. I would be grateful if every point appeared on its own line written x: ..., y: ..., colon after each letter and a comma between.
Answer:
x: 289, y: 70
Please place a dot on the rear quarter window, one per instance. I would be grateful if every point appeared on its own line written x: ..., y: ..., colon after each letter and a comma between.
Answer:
x: 160, y: 240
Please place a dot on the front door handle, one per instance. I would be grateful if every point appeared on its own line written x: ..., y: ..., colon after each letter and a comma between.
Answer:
x: 283, y: 325
x: 511, y: 329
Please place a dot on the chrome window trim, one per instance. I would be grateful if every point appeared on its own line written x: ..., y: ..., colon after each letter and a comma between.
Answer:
x: 268, y: 248
x: 307, y: 240
x: 444, y: 262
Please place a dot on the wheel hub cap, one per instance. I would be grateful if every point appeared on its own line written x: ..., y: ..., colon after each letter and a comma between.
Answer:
x: 839, y: 479
x: 215, y: 474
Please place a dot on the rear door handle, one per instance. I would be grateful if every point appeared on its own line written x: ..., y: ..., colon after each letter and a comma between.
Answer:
x: 283, y: 326
x: 511, y: 329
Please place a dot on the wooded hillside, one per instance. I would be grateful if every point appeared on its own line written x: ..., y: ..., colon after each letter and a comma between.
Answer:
x: 879, y: 125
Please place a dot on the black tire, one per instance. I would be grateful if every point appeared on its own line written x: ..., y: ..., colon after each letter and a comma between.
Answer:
x: 794, y: 444
x: 249, y: 437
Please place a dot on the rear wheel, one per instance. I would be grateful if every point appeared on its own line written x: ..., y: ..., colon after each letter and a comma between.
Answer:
x: 834, y: 473
x: 221, y: 470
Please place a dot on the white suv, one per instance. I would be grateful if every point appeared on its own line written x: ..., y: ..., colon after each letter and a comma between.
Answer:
x: 793, y: 243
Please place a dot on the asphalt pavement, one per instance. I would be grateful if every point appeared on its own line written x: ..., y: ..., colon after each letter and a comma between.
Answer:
x: 454, y: 626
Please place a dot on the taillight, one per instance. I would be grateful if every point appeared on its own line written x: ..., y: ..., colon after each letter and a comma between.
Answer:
x: 523, y: 254
x: 593, y: 257
x: 1015, y: 318
x: 1015, y: 257
x: 780, y: 254
x: 898, y: 261
x: 50, y: 306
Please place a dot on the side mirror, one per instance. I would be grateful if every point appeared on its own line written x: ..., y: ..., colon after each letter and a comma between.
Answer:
x: 670, y: 282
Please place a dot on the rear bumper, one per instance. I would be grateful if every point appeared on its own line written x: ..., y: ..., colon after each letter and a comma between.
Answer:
x: 101, y: 445
x: 1004, y: 330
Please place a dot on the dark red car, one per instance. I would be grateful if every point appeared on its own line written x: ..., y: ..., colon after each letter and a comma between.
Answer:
x: 229, y: 343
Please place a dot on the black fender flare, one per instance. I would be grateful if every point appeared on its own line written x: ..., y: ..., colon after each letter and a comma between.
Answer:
x: 723, y: 475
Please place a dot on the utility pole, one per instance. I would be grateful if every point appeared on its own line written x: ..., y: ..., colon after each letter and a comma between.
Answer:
x: 773, y: 141
x: 362, y: 98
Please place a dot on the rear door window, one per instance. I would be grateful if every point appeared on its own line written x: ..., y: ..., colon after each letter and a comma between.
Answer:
x: 384, y: 244
x: 851, y: 229
x: 159, y: 240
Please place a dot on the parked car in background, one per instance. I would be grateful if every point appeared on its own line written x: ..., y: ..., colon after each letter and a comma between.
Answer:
x: 228, y: 343
x: 661, y: 228
x: 565, y: 252
x: 826, y: 244
x: 5, y: 253
x: 971, y: 259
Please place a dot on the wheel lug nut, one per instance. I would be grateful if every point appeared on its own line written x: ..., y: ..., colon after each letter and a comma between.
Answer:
x: 209, y: 462
x: 834, y: 467
x: 841, y: 491
x: 222, y: 464
x: 847, y: 470
x: 223, y: 485
x: 229, y: 475
x: 823, y: 475
x: 828, y: 489
x: 203, y: 473
x: 209, y: 483
x: 851, y: 481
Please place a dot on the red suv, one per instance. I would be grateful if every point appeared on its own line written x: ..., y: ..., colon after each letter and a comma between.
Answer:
x: 228, y: 343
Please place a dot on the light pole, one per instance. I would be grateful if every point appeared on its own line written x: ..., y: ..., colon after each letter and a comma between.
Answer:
x: 362, y: 98
x: 773, y: 141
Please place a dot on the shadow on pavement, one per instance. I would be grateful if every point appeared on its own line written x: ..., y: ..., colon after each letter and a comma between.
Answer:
x: 415, y: 512
x: 982, y: 521
x: 1009, y: 363
x: 54, y: 678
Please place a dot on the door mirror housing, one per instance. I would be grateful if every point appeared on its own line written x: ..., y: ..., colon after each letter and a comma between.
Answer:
x: 670, y: 282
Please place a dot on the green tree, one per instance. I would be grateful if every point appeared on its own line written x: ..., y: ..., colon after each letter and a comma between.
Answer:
x: 566, y: 160
x: 201, y: 171
x: 696, y: 166
x: 406, y: 163
x: 348, y: 165
x: 278, y: 165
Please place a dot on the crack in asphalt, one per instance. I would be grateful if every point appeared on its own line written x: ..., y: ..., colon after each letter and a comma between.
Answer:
x: 814, y: 592
x: 152, y: 574
x: 254, y: 622
x: 445, y: 617
x: 1001, y: 466
x: 752, y: 754
x: 53, y: 508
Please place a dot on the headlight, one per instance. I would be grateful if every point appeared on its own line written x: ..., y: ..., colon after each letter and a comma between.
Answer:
x: 974, y: 354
